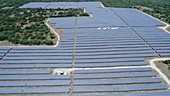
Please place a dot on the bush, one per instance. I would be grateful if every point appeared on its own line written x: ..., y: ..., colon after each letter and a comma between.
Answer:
x: 84, y: 14
x: 52, y: 36
x: 3, y: 37
x: 48, y: 42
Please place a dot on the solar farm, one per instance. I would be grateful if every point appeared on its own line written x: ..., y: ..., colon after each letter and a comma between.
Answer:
x: 102, y: 55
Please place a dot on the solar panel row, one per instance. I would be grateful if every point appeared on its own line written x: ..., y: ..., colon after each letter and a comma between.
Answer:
x: 120, y: 88
x: 33, y: 90
x: 33, y: 77
x: 112, y: 70
x: 117, y: 81
x: 33, y: 66
x: 157, y: 38
x: 132, y: 94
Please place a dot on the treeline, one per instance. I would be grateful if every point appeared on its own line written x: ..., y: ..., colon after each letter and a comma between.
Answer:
x: 27, y: 26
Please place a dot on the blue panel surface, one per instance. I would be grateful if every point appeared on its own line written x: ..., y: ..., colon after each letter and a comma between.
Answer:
x: 112, y: 70
x: 114, y: 75
x: 49, y: 83
x: 24, y: 72
x: 36, y: 5
x: 13, y: 83
x: 129, y: 16
x: 11, y: 90
x: 117, y: 81
x: 108, y: 60
x: 46, y: 90
x: 121, y: 88
x: 133, y: 94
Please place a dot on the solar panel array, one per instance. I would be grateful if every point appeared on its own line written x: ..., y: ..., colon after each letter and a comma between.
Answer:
x: 156, y: 38
x: 137, y: 18
x: 110, y: 53
x: 3, y: 51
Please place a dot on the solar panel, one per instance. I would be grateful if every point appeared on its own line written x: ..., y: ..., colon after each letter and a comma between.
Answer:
x: 38, y: 54
x: 112, y: 51
x: 3, y: 51
x: 112, y: 70
x: 13, y: 66
x: 117, y: 64
x: 49, y: 83
x: 56, y: 5
x: 13, y: 83
x: 71, y: 5
x: 114, y: 75
x: 36, y: 5
x: 164, y: 93
x: 5, y: 48
x: 49, y: 77
x: 112, y: 47
x: 10, y: 90
x: 113, y: 56
x: 40, y: 51
x: 129, y: 16
x: 36, y: 61
x: 13, y: 77
x: 107, y: 40
x: 117, y: 81
x: 143, y: 87
x: 111, y: 44
x: 24, y: 72
x: 39, y: 58
x: 165, y: 54
x: 29, y: 66
x: 149, y: 30
x: 46, y: 90
x: 108, y: 60
x: 162, y: 48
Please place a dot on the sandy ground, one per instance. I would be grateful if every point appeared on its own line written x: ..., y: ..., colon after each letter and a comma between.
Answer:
x: 164, y: 68
x: 161, y: 69
x: 168, y: 28
x: 57, y: 32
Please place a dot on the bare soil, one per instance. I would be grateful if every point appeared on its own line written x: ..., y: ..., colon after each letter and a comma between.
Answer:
x: 4, y: 43
x: 168, y: 28
x: 58, y: 31
x: 164, y: 68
